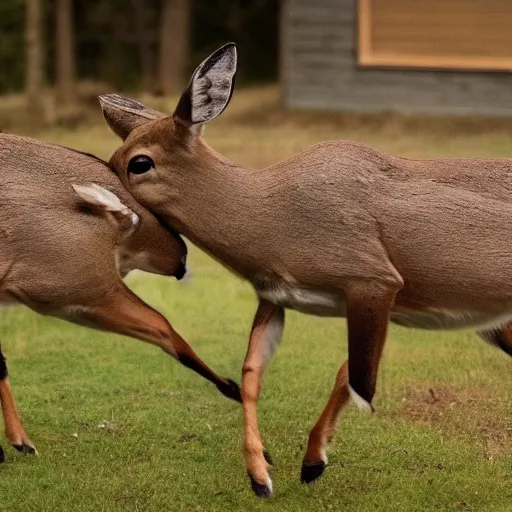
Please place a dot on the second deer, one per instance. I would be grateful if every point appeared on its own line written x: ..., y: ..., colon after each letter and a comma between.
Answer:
x: 69, y: 233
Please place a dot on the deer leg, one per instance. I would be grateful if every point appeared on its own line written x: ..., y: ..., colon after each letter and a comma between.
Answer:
x: 368, y: 313
x: 124, y: 313
x: 14, y: 430
x: 367, y: 318
x: 315, y: 459
x: 265, y: 336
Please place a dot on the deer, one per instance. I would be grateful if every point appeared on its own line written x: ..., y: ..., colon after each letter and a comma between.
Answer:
x: 337, y: 230
x: 70, y: 233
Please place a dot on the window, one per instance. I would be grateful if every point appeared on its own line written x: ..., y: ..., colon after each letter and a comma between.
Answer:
x: 455, y: 34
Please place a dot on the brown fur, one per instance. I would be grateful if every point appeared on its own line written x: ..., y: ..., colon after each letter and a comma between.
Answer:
x: 62, y: 257
x: 14, y: 430
x: 339, y: 229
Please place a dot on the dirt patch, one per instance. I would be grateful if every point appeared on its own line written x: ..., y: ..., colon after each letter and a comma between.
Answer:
x: 460, y: 412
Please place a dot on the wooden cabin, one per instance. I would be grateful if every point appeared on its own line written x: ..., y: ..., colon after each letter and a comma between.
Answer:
x: 441, y: 57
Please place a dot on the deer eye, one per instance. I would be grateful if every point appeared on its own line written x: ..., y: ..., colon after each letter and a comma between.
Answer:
x: 140, y: 165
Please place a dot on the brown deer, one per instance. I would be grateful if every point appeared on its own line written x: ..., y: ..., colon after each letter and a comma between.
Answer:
x: 339, y: 229
x: 69, y: 233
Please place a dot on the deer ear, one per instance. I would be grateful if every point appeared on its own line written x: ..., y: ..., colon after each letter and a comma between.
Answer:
x: 124, y: 114
x: 210, y: 88
x: 100, y: 197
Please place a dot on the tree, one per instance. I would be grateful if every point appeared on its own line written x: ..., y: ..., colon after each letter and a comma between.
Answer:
x: 174, y: 45
x: 140, y: 10
x: 34, y: 54
x: 65, y: 55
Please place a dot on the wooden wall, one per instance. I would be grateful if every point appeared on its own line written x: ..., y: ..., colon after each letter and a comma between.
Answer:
x: 319, y: 69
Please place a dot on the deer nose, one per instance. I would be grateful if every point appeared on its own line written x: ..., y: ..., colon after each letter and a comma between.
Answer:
x: 182, y: 268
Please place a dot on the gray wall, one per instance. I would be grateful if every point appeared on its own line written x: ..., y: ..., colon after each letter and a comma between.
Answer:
x: 319, y: 70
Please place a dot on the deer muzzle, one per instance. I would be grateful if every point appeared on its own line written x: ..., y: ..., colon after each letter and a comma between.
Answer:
x: 182, y: 268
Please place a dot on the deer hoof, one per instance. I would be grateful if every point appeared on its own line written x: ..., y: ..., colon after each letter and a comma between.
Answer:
x: 26, y: 448
x: 231, y: 389
x: 310, y: 472
x: 2, y: 458
x: 261, y: 490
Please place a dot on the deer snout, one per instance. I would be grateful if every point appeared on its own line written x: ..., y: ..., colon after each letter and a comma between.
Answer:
x: 182, y: 268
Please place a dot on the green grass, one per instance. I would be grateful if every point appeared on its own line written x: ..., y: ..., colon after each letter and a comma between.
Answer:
x: 440, y: 439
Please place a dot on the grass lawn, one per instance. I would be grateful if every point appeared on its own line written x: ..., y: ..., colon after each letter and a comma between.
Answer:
x: 122, y: 427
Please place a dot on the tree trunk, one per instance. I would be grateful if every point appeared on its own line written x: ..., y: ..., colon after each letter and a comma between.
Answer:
x: 65, y: 65
x: 174, y: 42
x: 34, y: 54
x: 144, y: 45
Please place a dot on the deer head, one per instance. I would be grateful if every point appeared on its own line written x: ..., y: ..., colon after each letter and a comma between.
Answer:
x: 162, y: 152
x: 142, y: 242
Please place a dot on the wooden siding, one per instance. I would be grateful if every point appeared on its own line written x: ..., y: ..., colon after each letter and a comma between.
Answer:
x: 319, y: 70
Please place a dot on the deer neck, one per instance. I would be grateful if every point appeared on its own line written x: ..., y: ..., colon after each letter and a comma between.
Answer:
x: 217, y: 208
